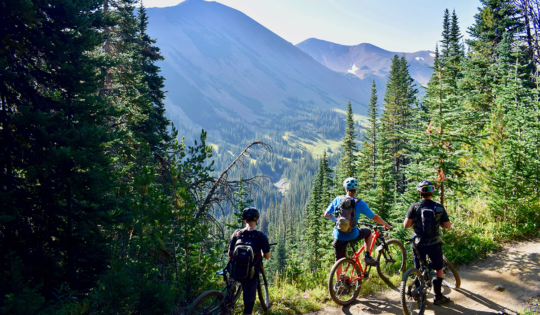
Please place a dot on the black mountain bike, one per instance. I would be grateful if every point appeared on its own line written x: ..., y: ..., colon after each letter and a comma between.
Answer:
x: 416, y: 283
x: 222, y: 302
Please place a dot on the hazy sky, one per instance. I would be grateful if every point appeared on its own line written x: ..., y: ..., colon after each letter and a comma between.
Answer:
x: 395, y: 25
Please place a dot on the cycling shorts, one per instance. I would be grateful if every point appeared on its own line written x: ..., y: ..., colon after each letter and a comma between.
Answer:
x: 340, y: 247
x: 434, y: 252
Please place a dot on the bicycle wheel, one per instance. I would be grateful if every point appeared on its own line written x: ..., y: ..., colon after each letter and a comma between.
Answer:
x: 262, y: 289
x: 451, y: 276
x: 412, y: 292
x: 342, y: 291
x: 208, y: 303
x: 392, y: 260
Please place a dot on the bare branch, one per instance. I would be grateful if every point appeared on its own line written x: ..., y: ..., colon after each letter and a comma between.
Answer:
x: 221, y: 181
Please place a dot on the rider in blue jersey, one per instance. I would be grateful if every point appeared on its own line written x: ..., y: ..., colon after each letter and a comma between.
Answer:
x: 341, y: 239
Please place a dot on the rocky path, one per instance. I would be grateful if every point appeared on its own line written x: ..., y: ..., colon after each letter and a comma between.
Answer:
x: 503, y: 283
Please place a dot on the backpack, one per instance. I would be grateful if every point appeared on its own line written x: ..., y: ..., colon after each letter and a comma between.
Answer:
x: 244, y: 258
x: 346, y: 219
x: 429, y: 223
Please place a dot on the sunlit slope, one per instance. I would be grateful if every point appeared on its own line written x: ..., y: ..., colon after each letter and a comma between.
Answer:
x: 366, y: 59
x: 220, y: 65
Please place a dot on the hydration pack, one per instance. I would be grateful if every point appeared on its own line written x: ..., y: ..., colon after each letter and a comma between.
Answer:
x: 346, y: 219
x: 244, y: 258
x: 429, y: 222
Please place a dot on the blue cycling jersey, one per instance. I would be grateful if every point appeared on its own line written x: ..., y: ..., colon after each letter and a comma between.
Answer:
x: 360, y: 208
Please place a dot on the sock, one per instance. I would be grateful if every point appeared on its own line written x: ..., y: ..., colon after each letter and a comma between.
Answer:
x: 366, y: 254
x: 437, y: 283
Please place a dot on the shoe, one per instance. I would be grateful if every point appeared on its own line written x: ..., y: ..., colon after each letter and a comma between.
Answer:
x: 370, y: 261
x: 441, y: 300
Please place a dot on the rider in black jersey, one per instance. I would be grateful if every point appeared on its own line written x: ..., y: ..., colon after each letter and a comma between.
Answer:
x: 260, y: 247
x: 431, y: 245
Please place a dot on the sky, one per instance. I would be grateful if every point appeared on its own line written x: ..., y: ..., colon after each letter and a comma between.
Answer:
x: 395, y: 25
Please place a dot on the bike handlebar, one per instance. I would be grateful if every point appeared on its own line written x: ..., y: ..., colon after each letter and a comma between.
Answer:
x: 373, y: 226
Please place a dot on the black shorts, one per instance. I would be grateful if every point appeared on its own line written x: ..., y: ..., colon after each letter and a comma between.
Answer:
x: 340, y: 247
x: 434, y: 252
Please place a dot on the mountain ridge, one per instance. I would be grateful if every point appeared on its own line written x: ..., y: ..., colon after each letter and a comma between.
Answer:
x: 220, y: 65
x: 365, y: 59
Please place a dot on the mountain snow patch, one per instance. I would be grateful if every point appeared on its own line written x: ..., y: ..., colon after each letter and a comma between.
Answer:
x: 353, y: 69
x: 418, y: 58
x: 432, y: 54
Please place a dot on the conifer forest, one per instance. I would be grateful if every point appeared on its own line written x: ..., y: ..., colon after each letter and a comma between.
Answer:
x: 106, y: 207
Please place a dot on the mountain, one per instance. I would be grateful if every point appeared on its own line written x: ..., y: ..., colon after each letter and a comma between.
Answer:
x: 365, y: 60
x: 222, y: 66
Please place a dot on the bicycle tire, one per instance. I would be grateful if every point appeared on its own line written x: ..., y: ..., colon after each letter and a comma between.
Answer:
x: 331, y: 282
x: 213, y: 308
x: 406, y: 295
x: 395, y: 249
x: 264, y: 293
x: 451, y: 276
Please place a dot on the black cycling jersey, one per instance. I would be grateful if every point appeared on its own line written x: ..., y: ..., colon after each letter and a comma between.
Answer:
x: 415, y: 214
x: 260, y: 243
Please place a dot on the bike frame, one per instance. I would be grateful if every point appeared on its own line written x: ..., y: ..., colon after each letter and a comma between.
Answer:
x: 356, y: 257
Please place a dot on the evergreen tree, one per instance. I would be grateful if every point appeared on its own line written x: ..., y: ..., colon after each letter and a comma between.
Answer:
x: 368, y: 173
x: 348, y: 161
x: 55, y: 180
x: 399, y: 96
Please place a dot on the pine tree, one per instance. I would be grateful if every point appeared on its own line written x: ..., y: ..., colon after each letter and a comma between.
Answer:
x: 439, y: 145
x: 348, y: 161
x: 367, y: 167
x: 399, y: 96
x: 55, y: 180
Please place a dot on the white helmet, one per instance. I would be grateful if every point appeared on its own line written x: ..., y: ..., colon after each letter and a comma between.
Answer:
x: 350, y: 183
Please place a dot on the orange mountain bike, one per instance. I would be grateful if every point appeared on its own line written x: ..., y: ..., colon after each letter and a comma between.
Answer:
x: 345, y: 278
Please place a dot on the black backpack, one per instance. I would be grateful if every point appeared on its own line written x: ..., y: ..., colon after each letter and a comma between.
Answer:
x: 429, y: 222
x: 244, y: 258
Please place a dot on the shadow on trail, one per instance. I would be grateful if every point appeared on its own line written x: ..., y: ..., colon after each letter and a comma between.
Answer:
x: 497, y: 308
x: 373, y: 306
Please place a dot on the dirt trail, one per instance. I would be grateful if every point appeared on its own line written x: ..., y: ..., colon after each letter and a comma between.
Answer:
x: 516, y: 267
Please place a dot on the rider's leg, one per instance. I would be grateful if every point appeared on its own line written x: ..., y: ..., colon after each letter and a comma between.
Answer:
x: 249, y: 289
x: 436, y: 255
x: 340, y: 251
x: 366, y: 235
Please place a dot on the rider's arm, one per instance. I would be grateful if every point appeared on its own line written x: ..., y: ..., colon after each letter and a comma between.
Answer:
x: 265, y: 247
x: 330, y: 216
x: 410, y: 217
x: 362, y: 207
x: 379, y: 220
x: 328, y: 213
x: 408, y: 223
x: 445, y: 221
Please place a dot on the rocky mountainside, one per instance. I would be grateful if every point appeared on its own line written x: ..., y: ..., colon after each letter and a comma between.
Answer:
x: 365, y: 60
x: 221, y: 66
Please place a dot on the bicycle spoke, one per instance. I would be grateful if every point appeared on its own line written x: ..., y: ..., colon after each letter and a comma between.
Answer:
x: 412, y: 294
x: 342, y: 284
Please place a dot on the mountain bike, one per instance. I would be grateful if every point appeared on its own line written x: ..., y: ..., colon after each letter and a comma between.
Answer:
x: 416, y: 283
x: 345, y: 278
x: 222, y: 302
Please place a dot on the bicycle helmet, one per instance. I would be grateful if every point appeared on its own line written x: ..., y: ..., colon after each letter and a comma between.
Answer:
x: 250, y: 214
x: 425, y: 186
x: 350, y: 184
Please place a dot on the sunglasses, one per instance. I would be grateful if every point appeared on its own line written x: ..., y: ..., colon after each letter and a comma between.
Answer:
x: 426, y: 189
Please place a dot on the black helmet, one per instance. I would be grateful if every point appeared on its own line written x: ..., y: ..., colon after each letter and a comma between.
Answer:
x: 425, y: 186
x: 250, y: 214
